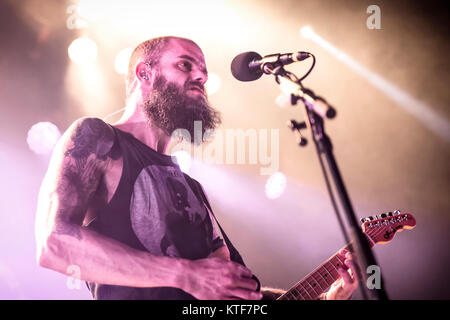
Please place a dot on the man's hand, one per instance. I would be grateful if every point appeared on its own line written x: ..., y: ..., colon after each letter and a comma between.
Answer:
x: 219, y: 279
x: 343, y: 288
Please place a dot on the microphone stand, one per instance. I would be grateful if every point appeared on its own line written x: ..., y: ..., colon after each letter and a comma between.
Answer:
x: 316, y: 110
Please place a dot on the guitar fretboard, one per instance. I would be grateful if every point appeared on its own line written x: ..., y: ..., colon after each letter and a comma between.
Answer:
x: 318, y: 281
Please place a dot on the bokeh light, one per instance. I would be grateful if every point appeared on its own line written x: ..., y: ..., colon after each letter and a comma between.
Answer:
x: 184, y: 160
x: 82, y: 50
x: 42, y: 137
x: 275, y: 185
x: 306, y: 31
x: 122, y: 59
x: 213, y: 84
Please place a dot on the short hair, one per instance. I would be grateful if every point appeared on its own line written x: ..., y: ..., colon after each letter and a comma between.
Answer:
x: 149, y: 51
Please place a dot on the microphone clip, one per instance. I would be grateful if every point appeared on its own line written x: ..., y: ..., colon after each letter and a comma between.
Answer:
x: 272, y: 64
x: 296, y: 127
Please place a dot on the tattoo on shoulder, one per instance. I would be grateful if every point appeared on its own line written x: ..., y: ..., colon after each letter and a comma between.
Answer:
x: 92, y: 136
x: 92, y: 140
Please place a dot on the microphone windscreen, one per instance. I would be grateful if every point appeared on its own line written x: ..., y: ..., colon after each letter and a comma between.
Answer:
x: 241, y: 70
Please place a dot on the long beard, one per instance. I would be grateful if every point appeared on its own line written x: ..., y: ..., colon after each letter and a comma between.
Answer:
x: 169, y: 108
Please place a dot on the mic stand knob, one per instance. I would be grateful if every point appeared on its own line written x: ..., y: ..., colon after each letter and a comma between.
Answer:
x: 296, y: 127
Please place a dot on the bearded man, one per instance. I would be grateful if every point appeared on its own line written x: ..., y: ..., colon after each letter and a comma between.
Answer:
x: 118, y: 208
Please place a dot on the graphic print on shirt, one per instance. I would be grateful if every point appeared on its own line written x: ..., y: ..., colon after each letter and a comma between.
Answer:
x: 167, y: 217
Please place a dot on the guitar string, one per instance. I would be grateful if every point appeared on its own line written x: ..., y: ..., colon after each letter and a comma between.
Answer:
x: 329, y: 261
x: 398, y: 220
x: 311, y: 275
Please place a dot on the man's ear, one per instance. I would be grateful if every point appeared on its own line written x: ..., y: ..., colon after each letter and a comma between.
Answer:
x: 144, y: 74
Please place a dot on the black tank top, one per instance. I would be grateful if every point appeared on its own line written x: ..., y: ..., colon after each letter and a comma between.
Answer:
x: 157, y: 208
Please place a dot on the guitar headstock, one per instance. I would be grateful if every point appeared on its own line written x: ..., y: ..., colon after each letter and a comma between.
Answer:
x: 381, y: 229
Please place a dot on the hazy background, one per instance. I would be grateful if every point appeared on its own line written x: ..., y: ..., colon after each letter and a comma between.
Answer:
x: 389, y: 158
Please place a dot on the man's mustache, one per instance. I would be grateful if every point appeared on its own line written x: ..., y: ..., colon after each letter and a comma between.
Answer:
x: 194, y: 84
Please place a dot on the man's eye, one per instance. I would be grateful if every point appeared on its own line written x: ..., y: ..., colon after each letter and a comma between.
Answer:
x: 185, y: 66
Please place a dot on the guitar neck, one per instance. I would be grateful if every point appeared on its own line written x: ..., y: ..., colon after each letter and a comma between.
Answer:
x: 319, y: 280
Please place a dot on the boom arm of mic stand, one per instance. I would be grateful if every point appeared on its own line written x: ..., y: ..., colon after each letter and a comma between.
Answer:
x: 319, y: 106
x: 316, y: 110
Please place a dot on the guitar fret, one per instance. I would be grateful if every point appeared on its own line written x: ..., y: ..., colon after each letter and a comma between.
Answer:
x: 324, y: 278
x: 331, y: 262
x: 292, y: 294
x: 287, y: 297
x: 313, y: 283
x: 328, y: 272
x: 303, y: 290
x: 333, y: 272
x: 306, y: 290
x: 332, y: 266
x: 320, y: 286
x: 315, y: 292
x: 342, y: 262
x: 295, y: 292
x: 284, y: 296
x: 299, y: 293
x: 318, y: 282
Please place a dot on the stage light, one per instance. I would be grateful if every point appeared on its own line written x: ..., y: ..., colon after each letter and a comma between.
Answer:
x: 94, y: 10
x: 421, y: 111
x: 122, y: 60
x: 307, y: 32
x: 42, y: 137
x: 138, y: 20
x: 213, y: 83
x: 275, y: 185
x: 82, y: 50
x: 283, y: 100
x: 184, y: 160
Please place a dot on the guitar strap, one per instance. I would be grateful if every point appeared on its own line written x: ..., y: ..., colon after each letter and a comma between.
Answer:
x: 234, y: 254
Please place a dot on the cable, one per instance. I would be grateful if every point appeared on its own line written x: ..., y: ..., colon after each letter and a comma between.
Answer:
x: 114, y: 113
x: 310, y: 69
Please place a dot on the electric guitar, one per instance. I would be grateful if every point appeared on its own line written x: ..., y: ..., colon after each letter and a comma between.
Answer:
x: 379, y: 229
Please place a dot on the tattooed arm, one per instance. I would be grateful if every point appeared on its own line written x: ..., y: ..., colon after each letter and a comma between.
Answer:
x: 76, y: 168
x: 78, y: 164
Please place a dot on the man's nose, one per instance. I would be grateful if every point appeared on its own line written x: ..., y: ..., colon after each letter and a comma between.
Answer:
x: 200, y: 76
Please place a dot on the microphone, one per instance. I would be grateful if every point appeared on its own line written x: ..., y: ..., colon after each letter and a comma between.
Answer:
x: 249, y: 66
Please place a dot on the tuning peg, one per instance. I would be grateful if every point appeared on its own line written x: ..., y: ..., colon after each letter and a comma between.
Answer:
x: 397, y: 212
x: 370, y: 218
x: 390, y: 214
x: 383, y: 215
